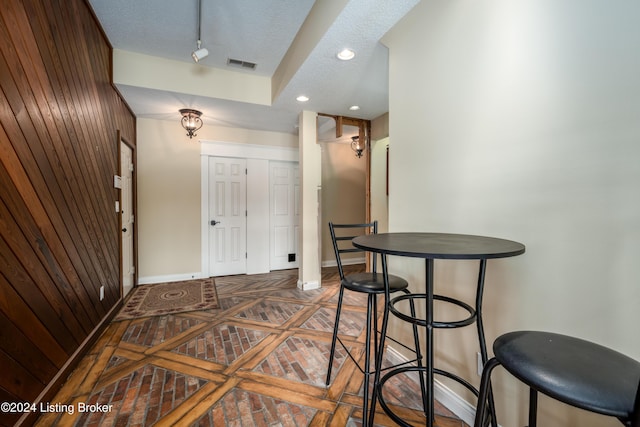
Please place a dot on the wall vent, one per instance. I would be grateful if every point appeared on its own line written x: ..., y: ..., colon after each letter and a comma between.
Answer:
x: 241, y: 64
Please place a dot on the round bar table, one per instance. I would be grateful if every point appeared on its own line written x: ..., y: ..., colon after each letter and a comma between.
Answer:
x: 432, y: 246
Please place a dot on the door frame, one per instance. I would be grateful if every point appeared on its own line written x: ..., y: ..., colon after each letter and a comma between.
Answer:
x: 134, y: 203
x: 248, y: 152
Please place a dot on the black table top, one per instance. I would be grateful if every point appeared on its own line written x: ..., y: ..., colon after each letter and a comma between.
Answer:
x: 439, y: 245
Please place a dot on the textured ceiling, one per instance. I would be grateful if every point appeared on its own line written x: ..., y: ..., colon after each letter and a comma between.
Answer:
x: 259, y: 31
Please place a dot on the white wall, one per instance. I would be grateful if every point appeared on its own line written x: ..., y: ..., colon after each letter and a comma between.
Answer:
x: 521, y: 120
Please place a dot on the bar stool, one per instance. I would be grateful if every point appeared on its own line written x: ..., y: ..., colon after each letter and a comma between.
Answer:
x: 573, y: 371
x: 372, y: 284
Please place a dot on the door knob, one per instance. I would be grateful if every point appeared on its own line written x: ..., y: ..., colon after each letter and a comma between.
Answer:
x: 214, y: 222
x: 124, y: 230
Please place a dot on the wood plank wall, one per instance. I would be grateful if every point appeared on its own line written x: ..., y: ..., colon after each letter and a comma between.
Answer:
x: 59, y: 233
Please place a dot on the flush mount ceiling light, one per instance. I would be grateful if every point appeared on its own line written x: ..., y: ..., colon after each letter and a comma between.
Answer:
x: 354, y: 108
x: 200, y: 51
x: 346, y: 54
x: 357, y: 145
x: 191, y: 121
x: 302, y: 98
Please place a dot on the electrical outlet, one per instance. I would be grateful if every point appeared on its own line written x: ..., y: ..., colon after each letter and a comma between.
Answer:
x: 480, y: 364
x: 101, y: 293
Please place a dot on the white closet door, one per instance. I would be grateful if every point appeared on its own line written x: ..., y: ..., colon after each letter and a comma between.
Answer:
x: 285, y: 214
x: 227, y: 216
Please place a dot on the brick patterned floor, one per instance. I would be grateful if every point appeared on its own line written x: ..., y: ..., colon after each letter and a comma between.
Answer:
x: 244, y: 408
x: 152, y: 331
x: 351, y: 323
x: 259, y: 360
x: 276, y: 312
x: 297, y: 359
x: 222, y: 344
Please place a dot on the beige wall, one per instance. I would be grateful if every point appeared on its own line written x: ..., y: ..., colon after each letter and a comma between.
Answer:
x: 168, y: 216
x: 168, y: 178
x: 380, y: 127
x: 343, y: 192
x: 379, y: 196
x: 521, y: 120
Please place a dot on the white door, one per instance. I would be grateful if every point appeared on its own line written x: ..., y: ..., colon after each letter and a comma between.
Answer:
x: 284, y: 214
x: 227, y: 216
x: 126, y: 211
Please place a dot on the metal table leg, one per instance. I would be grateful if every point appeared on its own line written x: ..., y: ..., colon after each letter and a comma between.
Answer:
x: 481, y: 338
x: 429, y: 333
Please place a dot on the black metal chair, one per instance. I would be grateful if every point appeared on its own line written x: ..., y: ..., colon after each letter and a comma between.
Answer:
x: 573, y: 371
x: 372, y: 284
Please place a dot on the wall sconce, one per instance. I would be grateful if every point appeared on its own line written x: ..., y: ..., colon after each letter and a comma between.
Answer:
x: 357, y: 146
x: 191, y: 121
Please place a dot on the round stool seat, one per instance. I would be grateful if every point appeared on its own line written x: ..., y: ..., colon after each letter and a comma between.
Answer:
x: 577, y: 372
x: 373, y: 283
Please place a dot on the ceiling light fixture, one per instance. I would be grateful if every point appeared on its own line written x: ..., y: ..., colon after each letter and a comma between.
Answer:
x: 354, y: 108
x: 357, y: 146
x: 302, y: 98
x: 191, y: 121
x: 200, y: 51
x: 346, y: 54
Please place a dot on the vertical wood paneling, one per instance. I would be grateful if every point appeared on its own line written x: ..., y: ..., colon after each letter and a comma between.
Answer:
x: 59, y: 233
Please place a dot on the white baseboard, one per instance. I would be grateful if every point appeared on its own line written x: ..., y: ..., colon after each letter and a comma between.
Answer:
x: 349, y: 261
x: 148, y: 280
x: 307, y: 286
x: 443, y: 394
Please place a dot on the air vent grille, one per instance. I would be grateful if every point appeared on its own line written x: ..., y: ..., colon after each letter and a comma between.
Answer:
x: 241, y: 64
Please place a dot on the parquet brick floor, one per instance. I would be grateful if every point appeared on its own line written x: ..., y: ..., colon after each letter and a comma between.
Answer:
x: 259, y: 360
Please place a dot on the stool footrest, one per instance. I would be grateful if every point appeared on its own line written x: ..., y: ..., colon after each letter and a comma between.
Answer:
x: 422, y: 322
x: 420, y: 369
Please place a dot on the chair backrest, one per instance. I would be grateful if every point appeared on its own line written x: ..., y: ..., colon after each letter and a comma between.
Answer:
x: 342, y: 240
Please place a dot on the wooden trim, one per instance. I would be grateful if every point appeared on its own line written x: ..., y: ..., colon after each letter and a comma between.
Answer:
x: 344, y: 120
x: 387, y: 170
x: 61, y: 377
x: 59, y: 237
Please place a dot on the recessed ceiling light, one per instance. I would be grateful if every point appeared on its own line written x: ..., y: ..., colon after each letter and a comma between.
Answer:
x: 354, y: 108
x: 302, y: 98
x: 346, y: 54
